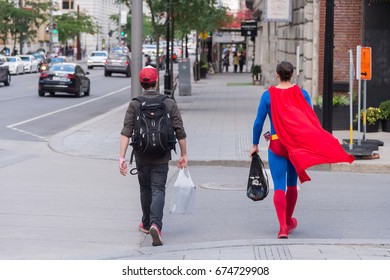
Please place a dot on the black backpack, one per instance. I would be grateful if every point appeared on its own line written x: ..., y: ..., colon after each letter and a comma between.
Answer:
x: 153, y: 133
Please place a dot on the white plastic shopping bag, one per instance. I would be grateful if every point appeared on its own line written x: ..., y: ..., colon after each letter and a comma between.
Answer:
x: 183, y: 197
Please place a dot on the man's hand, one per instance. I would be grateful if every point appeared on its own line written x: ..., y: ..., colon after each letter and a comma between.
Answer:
x: 182, y: 162
x: 254, y: 149
x: 122, y: 166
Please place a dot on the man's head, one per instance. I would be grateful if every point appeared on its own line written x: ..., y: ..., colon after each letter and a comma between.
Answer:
x: 148, y: 77
x: 285, y: 71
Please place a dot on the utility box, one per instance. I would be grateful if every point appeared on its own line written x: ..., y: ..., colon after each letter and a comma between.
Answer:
x: 184, y: 77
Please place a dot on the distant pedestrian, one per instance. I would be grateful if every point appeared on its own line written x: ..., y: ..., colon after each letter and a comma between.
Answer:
x: 241, y: 61
x: 152, y: 169
x: 226, y: 62
x: 297, y: 143
x: 236, y: 61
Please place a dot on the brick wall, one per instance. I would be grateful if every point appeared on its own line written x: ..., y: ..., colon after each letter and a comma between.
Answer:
x: 348, y: 30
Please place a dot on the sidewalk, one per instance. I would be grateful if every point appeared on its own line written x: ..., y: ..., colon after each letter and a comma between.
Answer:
x: 218, y: 118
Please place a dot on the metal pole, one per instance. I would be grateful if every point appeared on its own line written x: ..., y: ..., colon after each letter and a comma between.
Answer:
x: 119, y: 25
x: 167, y: 76
x: 327, y: 119
x: 358, y: 75
x: 364, y: 109
x: 136, y: 47
x: 51, y: 27
x: 350, y: 100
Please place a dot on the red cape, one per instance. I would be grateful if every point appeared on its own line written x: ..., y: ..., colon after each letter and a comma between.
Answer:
x: 300, y: 131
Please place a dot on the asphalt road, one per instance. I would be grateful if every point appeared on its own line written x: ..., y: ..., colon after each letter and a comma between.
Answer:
x: 26, y: 116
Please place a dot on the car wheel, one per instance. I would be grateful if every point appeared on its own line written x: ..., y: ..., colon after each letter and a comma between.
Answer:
x: 41, y: 93
x: 78, y: 94
x: 88, y: 90
x: 7, y: 82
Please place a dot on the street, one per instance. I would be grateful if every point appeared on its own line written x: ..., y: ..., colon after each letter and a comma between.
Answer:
x: 26, y: 116
x: 62, y: 196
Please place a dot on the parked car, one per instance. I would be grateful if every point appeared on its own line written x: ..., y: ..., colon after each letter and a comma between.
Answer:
x: 5, y: 75
x: 30, y: 63
x: 15, y: 65
x: 118, y: 63
x: 64, y: 77
x: 97, y: 58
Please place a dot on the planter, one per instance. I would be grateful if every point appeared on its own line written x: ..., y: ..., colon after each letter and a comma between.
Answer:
x: 341, y: 117
x: 203, y: 72
x: 386, y: 125
x: 369, y: 127
x: 257, y: 80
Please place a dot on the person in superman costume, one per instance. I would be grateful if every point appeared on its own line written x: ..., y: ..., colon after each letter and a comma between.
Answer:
x: 298, y: 142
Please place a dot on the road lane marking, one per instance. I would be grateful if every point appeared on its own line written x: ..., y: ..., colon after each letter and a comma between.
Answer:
x: 67, y: 108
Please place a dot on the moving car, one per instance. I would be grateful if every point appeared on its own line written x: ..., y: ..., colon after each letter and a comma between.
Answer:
x: 64, y: 77
x: 5, y: 76
x: 118, y: 63
x: 50, y: 61
x: 97, y: 58
x: 30, y: 63
x: 15, y: 65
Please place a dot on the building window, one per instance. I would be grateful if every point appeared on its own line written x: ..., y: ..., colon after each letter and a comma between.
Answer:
x: 68, y: 4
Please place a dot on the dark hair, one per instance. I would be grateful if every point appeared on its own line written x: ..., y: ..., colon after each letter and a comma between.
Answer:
x: 285, y: 71
x: 148, y: 85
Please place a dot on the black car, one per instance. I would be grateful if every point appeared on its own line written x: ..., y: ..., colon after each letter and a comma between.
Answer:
x: 64, y: 77
x: 5, y: 76
x: 118, y: 63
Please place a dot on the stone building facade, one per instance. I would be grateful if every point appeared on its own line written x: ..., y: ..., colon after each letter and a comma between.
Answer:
x: 356, y: 22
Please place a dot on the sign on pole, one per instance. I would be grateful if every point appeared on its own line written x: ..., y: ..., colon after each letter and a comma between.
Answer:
x: 249, y: 28
x: 365, y: 63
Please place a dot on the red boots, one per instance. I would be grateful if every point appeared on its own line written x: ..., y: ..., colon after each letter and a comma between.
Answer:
x: 284, y: 206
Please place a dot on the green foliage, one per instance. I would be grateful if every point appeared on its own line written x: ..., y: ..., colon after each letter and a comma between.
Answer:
x: 373, y: 115
x: 21, y: 23
x: 71, y: 24
x: 385, y: 109
x: 338, y: 100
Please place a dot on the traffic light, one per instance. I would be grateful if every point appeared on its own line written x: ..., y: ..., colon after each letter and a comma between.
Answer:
x: 55, y: 30
x: 122, y: 33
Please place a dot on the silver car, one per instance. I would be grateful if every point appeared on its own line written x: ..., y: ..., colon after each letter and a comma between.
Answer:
x: 118, y: 63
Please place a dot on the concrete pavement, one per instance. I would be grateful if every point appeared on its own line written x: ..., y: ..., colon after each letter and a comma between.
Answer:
x: 218, y: 118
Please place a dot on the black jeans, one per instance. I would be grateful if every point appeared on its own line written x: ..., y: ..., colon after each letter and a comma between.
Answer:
x: 152, y: 180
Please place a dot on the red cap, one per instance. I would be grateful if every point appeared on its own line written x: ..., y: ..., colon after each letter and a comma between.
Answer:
x: 148, y: 75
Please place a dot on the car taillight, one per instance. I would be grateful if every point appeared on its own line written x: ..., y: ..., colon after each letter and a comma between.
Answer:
x: 70, y: 76
x: 127, y: 63
x: 44, y: 75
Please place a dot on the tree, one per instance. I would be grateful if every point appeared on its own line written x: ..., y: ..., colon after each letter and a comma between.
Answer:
x: 22, y: 23
x: 71, y: 25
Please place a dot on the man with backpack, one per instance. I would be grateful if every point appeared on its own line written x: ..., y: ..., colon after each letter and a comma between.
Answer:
x: 153, y: 122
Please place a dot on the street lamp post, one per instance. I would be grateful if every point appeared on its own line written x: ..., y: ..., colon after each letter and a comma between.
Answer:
x: 167, y: 76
